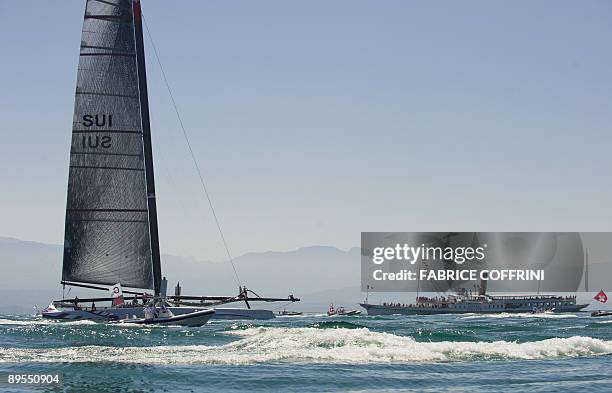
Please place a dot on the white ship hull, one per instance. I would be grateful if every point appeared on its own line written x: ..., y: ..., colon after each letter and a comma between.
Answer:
x: 485, y: 305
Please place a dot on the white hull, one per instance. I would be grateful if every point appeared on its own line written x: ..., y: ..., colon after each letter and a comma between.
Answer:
x: 119, y: 313
x: 344, y: 313
x: 194, y: 319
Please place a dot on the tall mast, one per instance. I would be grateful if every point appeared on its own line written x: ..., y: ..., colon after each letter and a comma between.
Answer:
x: 148, y: 149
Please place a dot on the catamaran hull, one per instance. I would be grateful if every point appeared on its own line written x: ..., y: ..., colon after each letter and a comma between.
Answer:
x: 194, y: 319
x: 113, y: 314
x: 242, y: 313
x: 376, y: 309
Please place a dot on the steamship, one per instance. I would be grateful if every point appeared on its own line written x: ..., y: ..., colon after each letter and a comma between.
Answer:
x: 479, y: 302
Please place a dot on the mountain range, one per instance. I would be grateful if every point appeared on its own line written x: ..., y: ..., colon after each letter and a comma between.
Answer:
x: 316, y: 274
x: 319, y: 275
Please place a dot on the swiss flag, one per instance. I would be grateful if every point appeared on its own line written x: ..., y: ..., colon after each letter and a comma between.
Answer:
x: 601, y: 297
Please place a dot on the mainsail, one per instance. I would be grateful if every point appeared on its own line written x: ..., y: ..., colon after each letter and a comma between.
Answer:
x: 111, y: 219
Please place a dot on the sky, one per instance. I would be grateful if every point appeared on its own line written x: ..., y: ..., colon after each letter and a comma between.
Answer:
x: 314, y: 121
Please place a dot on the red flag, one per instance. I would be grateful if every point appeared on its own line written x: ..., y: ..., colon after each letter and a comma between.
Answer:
x: 117, y: 294
x: 601, y: 297
x: 117, y: 301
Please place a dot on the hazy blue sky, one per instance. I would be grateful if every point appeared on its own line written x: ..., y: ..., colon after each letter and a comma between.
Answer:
x: 314, y: 121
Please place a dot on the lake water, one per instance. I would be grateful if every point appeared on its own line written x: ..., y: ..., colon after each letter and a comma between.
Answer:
x: 497, y: 353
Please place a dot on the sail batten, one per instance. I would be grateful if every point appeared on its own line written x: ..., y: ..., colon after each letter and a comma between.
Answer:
x: 108, y: 230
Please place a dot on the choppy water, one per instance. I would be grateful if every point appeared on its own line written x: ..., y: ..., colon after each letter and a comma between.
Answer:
x: 500, y: 353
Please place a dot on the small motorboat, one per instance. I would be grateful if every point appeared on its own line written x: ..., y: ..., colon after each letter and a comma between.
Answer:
x: 163, y: 316
x: 542, y: 310
x: 341, y: 311
x: 601, y: 313
x: 286, y: 313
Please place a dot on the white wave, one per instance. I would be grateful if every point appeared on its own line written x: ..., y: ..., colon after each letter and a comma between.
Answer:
x: 572, y: 327
x: 352, y: 346
x: 42, y: 321
x: 73, y: 323
x: 17, y: 322
x: 521, y: 315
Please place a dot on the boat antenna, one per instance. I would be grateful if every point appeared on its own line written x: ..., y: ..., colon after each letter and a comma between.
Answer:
x: 193, y: 157
x: 419, y: 279
x: 586, y: 271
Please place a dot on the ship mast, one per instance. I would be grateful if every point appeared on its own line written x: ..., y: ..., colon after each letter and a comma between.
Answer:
x: 148, y: 148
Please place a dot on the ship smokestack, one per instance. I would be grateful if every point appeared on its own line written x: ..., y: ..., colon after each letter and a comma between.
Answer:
x: 482, y: 289
x: 484, y: 275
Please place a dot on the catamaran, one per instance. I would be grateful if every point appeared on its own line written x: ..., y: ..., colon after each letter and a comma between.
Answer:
x: 111, y: 231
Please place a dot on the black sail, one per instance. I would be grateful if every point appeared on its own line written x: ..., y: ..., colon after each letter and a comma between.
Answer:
x: 111, y: 231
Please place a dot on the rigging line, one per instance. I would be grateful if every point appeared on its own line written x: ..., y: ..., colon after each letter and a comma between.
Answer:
x: 195, y: 162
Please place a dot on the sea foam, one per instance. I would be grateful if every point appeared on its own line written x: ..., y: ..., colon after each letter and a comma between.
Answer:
x: 41, y: 321
x: 311, y: 345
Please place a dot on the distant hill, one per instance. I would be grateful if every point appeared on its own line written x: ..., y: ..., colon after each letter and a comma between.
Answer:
x: 32, y: 273
x: 318, y: 275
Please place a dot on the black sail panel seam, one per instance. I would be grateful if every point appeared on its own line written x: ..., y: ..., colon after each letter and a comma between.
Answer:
x: 108, y: 210
x: 109, y: 3
x: 122, y: 54
x: 106, y: 154
x: 99, y: 220
x: 106, y: 167
x: 109, y: 18
x: 93, y: 93
x: 97, y: 47
x: 113, y: 131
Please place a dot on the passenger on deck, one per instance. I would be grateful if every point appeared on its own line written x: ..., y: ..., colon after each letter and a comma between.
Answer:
x: 149, y: 312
